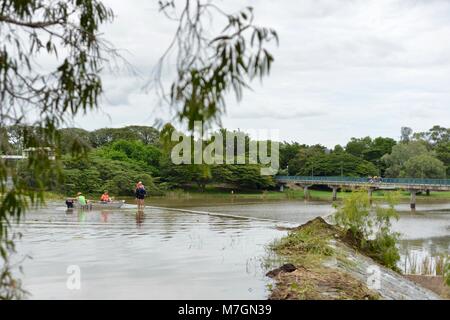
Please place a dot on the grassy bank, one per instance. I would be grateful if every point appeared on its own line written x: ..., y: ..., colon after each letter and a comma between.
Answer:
x: 306, y: 276
x: 325, y: 262
x: 288, y: 194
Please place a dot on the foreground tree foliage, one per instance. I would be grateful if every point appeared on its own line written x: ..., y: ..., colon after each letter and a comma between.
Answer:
x: 209, y: 66
x: 67, y: 32
x: 35, y: 103
x: 29, y: 30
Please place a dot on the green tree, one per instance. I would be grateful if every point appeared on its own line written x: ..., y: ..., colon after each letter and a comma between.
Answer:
x: 423, y: 166
x: 94, y: 174
x: 338, y: 149
x: 434, y: 136
x: 186, y: 174
x: 372, y: 232
x: 442, y: 151
x: 105, y: 136
x: 401, y: 153
x: 358, y: 147
x: 438, y: 138
x: 242, y: 176
x: 146, y: 156
x: 378, y: 148
x: 123, y: 183
x: 371, y: 150
x: 288, y: 151
x: 299, y: 163
x: 335, y: 164
x: 147, y: 135
x: 67, y: 32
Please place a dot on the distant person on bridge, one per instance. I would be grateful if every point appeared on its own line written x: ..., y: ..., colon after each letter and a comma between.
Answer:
x: 374, y: 179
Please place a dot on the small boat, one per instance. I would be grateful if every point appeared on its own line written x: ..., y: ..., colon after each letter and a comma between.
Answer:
x: 99, y: 205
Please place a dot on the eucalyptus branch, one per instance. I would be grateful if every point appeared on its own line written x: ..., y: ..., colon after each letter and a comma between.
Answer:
x: 30, y: 24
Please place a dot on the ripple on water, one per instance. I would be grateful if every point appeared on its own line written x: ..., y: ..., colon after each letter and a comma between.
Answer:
x: 172, y: 254
x: 160, y: 254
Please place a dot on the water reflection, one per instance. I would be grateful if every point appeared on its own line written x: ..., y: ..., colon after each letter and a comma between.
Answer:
x: 81, y: 215
x: 425, y: 231
x: 140, y: 218
x: 291, y: 211
x: 162, y: 254
x: 424, y: 256
x: 155, y: 254
x: 104, y: 216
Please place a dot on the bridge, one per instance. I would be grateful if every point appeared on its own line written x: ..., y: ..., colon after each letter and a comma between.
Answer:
x: 25, y: 155
x: 412, y: 185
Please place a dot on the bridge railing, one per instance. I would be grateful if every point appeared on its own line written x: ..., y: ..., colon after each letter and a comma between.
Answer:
x: 339, y: 179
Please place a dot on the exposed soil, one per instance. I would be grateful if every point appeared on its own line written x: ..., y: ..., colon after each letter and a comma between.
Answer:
x: 346, y: 277
x: 320, y: 222
x: 319, y: 284
x: 288, y: 267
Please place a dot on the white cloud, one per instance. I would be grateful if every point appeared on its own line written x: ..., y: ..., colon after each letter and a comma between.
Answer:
x: 343, y: 68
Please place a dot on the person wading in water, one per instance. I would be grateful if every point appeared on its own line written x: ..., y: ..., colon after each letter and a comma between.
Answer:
x: 140, y: 193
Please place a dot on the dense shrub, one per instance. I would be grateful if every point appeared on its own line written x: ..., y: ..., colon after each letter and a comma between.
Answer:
x: 95, y: 174
x: 371, y: 228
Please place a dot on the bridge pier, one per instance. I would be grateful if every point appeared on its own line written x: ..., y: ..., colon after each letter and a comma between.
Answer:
x: 281, y: 187
x: 409, y: 185
x: 334, y: 193
x: 413, y: 199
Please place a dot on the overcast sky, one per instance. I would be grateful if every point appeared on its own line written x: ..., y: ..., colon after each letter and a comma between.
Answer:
x: 343, y: 68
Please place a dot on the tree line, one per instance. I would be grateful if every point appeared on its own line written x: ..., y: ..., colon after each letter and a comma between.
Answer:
x: 414, y: 155
x: 118, y: 157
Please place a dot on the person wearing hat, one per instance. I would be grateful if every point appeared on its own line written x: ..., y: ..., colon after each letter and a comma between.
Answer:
x: 81, y: 199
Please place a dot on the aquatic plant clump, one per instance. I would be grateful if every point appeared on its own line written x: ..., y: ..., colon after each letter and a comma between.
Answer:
x: 447, y: 271
x: 370, y: 228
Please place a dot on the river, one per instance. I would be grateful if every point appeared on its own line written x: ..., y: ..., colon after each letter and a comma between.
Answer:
x: 168, y: 254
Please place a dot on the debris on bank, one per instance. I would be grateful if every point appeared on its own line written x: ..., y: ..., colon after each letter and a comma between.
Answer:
x: 323, y: 263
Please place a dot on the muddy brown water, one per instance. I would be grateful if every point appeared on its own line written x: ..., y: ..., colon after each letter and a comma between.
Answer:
x: 424, y: 232
x: 166, y: 254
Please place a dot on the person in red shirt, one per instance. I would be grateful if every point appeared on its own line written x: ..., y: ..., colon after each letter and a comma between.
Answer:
x: 105, y: 197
